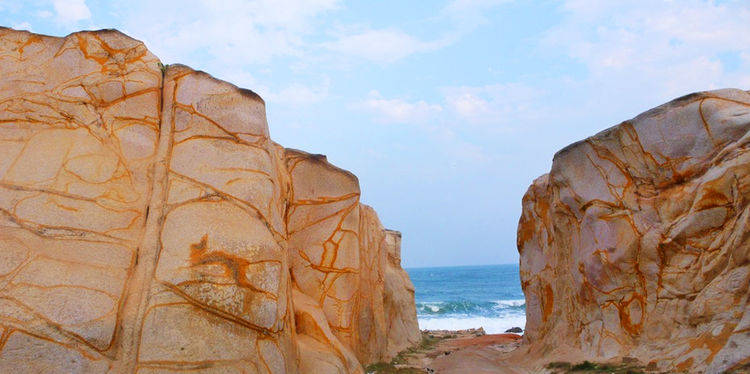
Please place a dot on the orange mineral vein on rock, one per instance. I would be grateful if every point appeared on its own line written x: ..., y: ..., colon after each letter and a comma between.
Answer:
x: 636, y: 243
x: 149, y: 224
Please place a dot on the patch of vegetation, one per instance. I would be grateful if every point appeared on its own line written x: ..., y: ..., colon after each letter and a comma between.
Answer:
x: 559, y: 365
x: 427, y: 343
x: 592, y: 367
x: 390, y: 368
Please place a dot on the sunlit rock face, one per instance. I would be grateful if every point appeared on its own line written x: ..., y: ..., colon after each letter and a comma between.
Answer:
x: 637, y: 241
x: 340, y: 258
x: 398, y: 296
x: 148, y: 224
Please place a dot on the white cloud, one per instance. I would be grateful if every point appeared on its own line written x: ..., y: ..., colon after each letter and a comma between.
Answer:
x: 236, y: 33
x: 475, y: 109
x: 299, y: 94
x: 495, y: 104
x: 471, y: 10
x: 22, y: 26
x: 383, y: 46
x: 71, y: 11
x: 667, y: 48
x: 469, y: 105
x: 431, y: 120
x: 295, y: 94
x: 398, y: 110
x: 467, y: 15
x: 472, y: 5
x: 387, y: 45
x: 229, y: 32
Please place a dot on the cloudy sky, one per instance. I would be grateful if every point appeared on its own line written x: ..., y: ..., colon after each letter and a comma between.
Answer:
x: 446, y: 110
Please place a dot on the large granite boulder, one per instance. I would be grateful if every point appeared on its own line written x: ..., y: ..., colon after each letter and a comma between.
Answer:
x: 148, y: 224
x: 637, y: 243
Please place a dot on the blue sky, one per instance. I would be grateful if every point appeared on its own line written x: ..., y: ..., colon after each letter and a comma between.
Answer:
x: 446, y: 110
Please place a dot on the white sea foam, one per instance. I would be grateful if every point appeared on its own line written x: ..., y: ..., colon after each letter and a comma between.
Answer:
x: 491, y: 325
x: 509, y: 303
x: 434, y: 306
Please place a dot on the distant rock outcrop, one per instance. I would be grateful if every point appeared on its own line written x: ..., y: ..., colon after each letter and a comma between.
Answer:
x: 148, y: 224
x: 637, y: 243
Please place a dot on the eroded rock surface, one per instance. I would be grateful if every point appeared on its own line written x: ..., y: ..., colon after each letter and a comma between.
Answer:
x: 148, y: 224
x: 637, y: 242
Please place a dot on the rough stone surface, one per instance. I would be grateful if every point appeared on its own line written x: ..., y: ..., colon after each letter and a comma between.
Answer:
x: 148, y: 224
x: 398, y: 296
x: 342, y: 258
x: 637, y: 242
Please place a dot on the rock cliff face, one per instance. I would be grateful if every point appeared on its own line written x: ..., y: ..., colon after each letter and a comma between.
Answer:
x: 148, y: 224
x: 637, y: 243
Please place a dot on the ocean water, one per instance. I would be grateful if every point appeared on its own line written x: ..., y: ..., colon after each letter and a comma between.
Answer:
x: 462, y: 297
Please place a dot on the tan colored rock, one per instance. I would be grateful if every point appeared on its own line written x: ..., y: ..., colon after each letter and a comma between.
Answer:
x: 398, y: 300
x: 79, y: 130
x: 339, y: 257
x: 148, y: 224
x: 636, y: 243
x: 320, y: 350
x: 221, y: 274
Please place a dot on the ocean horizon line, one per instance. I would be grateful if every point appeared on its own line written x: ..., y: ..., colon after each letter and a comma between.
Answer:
x: 459, y: 266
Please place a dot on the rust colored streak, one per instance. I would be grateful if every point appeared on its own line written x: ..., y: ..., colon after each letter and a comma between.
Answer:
x: 714, y: 343
x: 235, y: 268
x: 712, y: 198
x: 32, y: 39
x: 548, y: 302
x: 685, y: 366
x: 706, y: 126
x: 626, y: 321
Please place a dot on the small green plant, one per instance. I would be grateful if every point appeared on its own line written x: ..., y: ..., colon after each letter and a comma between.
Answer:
x: 586, y: 365
x: 592, y: 367
x: 559, y: 365
x: 390, y: 368
x: 427, y: 343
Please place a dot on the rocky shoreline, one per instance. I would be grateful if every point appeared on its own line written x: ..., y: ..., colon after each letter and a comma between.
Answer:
x: 472, y: 351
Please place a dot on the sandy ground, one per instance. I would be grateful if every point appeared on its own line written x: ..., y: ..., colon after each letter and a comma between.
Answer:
x: 459, y: 352
x: 474, y: 352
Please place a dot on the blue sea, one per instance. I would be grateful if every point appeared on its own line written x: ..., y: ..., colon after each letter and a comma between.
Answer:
x: 462, y: 297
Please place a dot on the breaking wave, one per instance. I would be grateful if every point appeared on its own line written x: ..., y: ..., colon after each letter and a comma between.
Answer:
x: 470, y: 308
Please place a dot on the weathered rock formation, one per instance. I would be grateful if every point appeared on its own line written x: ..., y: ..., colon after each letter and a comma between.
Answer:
x: 637, y: 243
x: 148, y: 224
